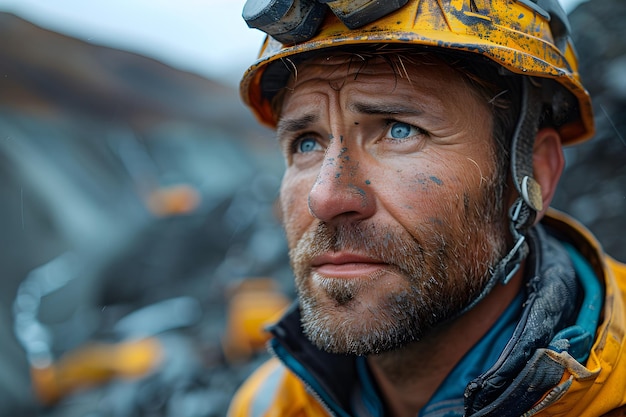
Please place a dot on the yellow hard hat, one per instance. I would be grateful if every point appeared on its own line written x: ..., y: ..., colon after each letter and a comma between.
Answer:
x: 527, y: 37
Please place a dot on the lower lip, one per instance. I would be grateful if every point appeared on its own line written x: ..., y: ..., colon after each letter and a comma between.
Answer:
x: 348, y: 270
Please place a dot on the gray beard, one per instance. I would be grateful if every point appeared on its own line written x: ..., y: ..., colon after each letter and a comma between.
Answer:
x: 397, y: 320
x: 437, y: 281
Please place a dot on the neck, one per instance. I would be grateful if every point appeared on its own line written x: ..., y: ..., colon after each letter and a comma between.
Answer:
x: 409, y: 377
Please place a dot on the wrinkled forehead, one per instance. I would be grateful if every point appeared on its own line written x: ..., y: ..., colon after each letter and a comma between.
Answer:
x: 278, y: 74
x: 352, y: 66
x: 351, y: 79
x: 337, y: 67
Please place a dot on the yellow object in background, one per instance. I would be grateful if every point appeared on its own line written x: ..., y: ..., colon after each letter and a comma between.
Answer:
x: 95, y: 364
x: 254, y: 304
x: 173, y: 200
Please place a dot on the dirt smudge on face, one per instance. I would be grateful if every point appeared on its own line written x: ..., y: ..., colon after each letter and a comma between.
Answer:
x: 435, y: 180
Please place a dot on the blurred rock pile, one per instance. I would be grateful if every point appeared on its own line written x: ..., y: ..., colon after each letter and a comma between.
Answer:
x: 134, y: 198
x: 593, y: 188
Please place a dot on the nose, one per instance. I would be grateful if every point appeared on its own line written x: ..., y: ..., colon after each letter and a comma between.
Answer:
x: 342, y: 189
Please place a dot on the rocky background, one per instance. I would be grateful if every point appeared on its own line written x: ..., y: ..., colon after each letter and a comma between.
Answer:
x: 125, y: 183
x: 593, y: 188
x: 136, y: 200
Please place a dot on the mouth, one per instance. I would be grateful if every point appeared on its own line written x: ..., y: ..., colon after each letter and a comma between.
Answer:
x: 346, y: 265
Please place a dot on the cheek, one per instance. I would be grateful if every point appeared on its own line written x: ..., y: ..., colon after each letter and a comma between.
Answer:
x: 432, y: 197
x: 294, y: 194
x: 423, y: 191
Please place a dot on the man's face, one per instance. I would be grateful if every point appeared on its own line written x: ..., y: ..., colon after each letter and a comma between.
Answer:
x: 388, y: 199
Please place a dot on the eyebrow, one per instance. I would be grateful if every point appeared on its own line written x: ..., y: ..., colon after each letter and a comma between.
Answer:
x: 295, y: 124
x: 383, y: 109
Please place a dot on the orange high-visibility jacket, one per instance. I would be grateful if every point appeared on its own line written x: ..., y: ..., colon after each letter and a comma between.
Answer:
x: 292, y: 387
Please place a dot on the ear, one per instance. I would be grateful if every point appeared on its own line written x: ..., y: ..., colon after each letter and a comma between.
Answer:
x: 548, y: 163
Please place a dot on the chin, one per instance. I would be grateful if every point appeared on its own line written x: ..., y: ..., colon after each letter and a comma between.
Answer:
x: 360, y: 326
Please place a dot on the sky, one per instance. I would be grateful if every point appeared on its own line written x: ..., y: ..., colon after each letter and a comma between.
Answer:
x: 206, y: 37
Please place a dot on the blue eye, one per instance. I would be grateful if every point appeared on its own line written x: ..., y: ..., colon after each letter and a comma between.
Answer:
x: 307, y: 145
x: 399, y: 130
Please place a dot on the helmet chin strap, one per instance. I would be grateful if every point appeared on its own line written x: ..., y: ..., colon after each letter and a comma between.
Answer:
x: 524, y: 210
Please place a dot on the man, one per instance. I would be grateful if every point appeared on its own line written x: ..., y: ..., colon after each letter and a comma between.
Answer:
x: 423, y: 144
